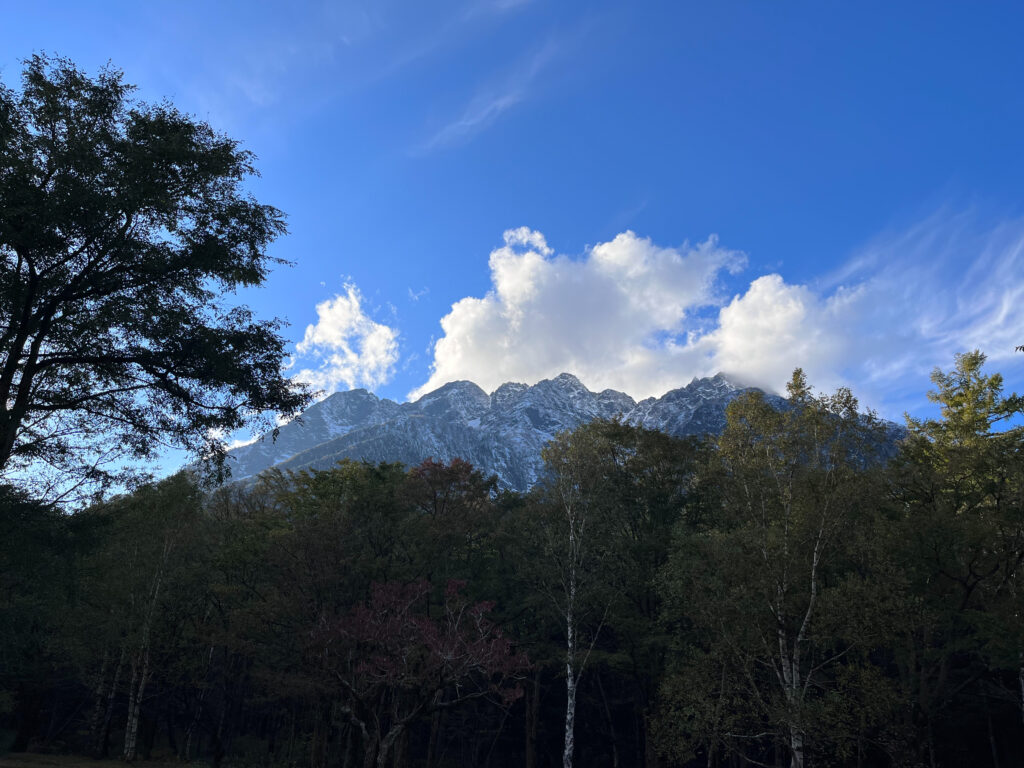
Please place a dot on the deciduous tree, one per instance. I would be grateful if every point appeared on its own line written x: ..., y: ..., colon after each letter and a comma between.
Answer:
x: 122, y: 227
x: 769, y: 586
x: 394, y: 662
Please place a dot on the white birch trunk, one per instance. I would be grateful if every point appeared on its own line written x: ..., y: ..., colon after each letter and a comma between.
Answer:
x: 134, y: 705
x: 570, y: 688
x: 571, y: 672
x: 576, y: 510
x: 132, y: 719
x: 101, y: 733
x: 794, y: 697
x: 140, y: 664
x: 796, y: 747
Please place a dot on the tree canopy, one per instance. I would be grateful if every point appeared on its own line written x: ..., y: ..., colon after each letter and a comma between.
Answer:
x: 123, y: 225
x: 798, y: 590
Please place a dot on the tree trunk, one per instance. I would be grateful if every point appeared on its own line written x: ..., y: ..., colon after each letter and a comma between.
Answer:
x: 149, y: 728
x: 140, y: 664
x: 102, y: 734
x: 401, y: 750
x: 100, y: 697
x: 51, y: 728
x: 386, y: 744
x: 30, y: 702
x: 140, y: 673
x: 570, y: 702
x: 321, y: 735
x: 1020, y: 680
x: 796, y: 747
x: 172, y: 736
x: 650, y: 753
x: 991, y: 735
x: 609, y: 722
x: 219, y: 748
x: 346, y: 749
x: 532, y: 706
x: 435, y: 732
x: 197, y: 715
x: 570, y: 654
x: 372, y: 749
x: 291, y: 736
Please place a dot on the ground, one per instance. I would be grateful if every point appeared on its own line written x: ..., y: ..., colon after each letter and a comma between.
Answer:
x: 25, y: 760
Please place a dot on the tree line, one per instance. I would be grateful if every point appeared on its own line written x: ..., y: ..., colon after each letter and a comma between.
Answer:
x: 802, y: 590
x: 798, y: 591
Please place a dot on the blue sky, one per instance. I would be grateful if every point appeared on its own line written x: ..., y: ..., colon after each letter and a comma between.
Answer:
x: 634, y: 192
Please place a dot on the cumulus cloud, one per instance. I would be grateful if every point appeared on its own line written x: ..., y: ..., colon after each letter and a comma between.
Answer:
x: 645, y: 319
x: 346, y: 347
x: 613, y: 317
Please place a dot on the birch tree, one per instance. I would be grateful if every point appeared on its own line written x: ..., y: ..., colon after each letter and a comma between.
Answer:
x: 147, y: 557
x: 766, y: 586
x: 575, y: 528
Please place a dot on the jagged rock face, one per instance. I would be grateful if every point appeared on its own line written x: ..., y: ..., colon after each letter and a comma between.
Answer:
x: 327, y: 420
x: 696, y: 409
x: 501, y: 433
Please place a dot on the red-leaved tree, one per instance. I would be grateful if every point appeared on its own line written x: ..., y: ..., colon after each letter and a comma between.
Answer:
x: 394, y: 662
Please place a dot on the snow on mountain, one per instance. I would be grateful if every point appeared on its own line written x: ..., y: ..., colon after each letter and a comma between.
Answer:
x: 501, y: 433
x: 698, y: 408
x: 326, y: 420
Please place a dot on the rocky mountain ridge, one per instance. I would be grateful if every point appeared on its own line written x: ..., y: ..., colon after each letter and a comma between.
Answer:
x: 500, y: 433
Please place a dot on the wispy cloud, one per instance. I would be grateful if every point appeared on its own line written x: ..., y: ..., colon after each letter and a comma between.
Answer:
x: 494, y: 99
x: 623, y: 219
x: 297, y: 64
x: 492, y: 8
x: 644, y: 319
x: 449, y: 31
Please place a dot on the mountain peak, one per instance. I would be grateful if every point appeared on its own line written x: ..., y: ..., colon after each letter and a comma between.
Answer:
x: 567, y: 379
x: 460, y: 400
x: 732, y: 380
x: 461, y: 386
x: 501, y: 433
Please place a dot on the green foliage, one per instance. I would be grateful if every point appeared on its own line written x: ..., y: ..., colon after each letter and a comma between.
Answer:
x: 122, y: 225
x: 780, y: 595
x: 765, y: 586
x: 36, y: 585
x: 959, y: 539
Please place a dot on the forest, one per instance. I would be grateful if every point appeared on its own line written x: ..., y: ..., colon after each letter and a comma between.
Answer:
x: 811, y: 587
x: 801, y: 590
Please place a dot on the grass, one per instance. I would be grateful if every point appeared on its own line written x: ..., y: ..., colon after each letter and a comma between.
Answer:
x: 27, y: 760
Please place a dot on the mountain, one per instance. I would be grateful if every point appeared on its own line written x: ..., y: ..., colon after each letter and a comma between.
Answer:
x: 500, y: 433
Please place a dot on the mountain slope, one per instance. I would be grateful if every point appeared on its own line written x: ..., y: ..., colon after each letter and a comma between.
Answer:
x: 501, y: 433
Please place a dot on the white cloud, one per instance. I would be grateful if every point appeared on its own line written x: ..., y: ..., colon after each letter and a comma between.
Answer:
x: 775, y: 327
x: 635, y: 317
x: 603, y: 317
x: 346, y: 347
x: 240, y: 442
